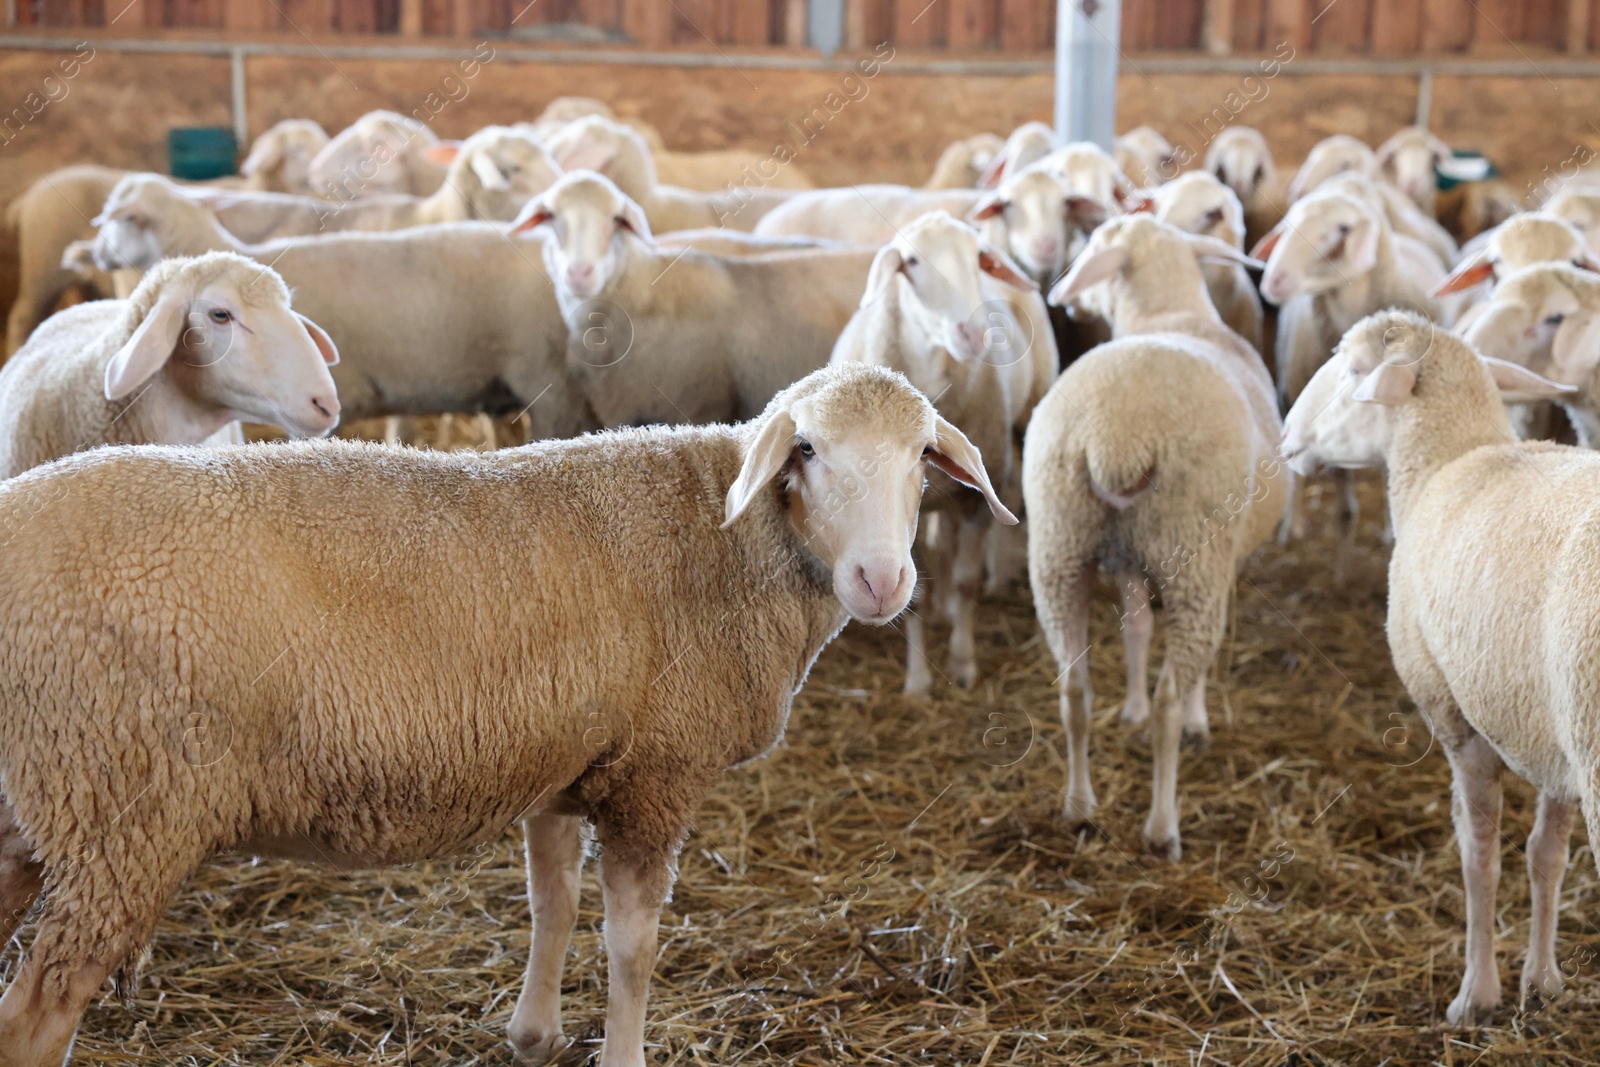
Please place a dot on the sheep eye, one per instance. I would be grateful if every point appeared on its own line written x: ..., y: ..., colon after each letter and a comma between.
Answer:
x: 220, y: 315
x: 927, y: 450
x: 1554, y: 320
x: 806, y: 450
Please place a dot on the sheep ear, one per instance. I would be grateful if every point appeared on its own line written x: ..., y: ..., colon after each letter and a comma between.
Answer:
x: 1206, y: 247
x: 586, y: 153
x: 988, y: 207
x: 264, y: 156
x: 534, y: 213
x: 633, y: 217
x: 1084, y: 212
x: 888, y: 262
x: 1090, y: 269
x: 444, y: 153
x: 1519, y: 385
x: 1138, y: 204
x: 148, y: 350
x: 1360, y: 246
x: 320, y: 338
x: 765, y: 457
x: 959, y: 458
x: 996, y: 264
x: 1388, y: 383
x: 1264, y: 247
x: 1576, y: 348
x: 489, y: 175
x: 994, y: 172
x: 1474, y: 271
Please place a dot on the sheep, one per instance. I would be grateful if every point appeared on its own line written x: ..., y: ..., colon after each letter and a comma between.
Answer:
x: 280, y: 159
x: 1579, y: 205
x: 1026, y: 145
x: 1343, y: 160
x: 963, y: 162
x: 380, y: 152
x: 1547, y: 318
x: 599, y: 144
x: 200, y: 344
x: 715, y: 337
x: 931, y: 312
x: 1090, y: 170
x: 1491, y: 610
x: 1522, y: 241
x: 864, y: 214
x: 1240, y: 159
x: 1328, y: 158
x: 1199, y: 203
x: 1409, y: 161
x: 1040, y: 220
x: 721, y: 242
x: 1145, y: 157
x: 149, y: 589
x: 433, y: 320
x: 1151, y: 458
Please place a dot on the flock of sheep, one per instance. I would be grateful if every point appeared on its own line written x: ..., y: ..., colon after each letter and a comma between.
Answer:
x: 365, y: 654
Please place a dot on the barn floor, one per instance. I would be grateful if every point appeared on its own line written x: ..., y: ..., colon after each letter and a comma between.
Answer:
x: 1316, y: 915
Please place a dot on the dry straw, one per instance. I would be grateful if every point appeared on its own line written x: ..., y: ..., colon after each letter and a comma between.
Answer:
x: 893, y: 886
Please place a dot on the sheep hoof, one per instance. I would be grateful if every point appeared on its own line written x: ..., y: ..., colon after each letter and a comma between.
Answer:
x: 1469, y: 1010
x: 1540, y: 987
x: 1079, y: 813
x: 534, y: 1050
x: 1197, y: 737
x: 966, y: 674
x: 1164, y: 847
x: 918, y: 686
x: 1135, y: 712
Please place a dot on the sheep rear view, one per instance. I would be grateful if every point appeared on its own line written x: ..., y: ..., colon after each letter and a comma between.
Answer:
x: 220, y: 650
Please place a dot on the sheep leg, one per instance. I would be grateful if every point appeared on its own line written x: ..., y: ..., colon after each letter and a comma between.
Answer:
x: 1290, y: 525
x: 555, y: 863
x: 1007, y: 548
x: 919, y: 675
x: 634, y: 893
x: 1475, y: 804
x: 1196, y: 726
x: 1068, y: 630
x: 1349, y: 514
x: 1195, y: 622
x: 21, y: 876
x: 1547, y: 863
x: 966, y: 575
x: 42, y: 1007
x: 1138, y: 625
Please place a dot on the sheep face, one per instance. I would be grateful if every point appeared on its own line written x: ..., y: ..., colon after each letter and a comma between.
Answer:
x: 1198, y: 203
x: 368, y: 157
x: 1324, y: 243
x: 1407, y: 161
x: 282, y: 156
x: 1546, y: 318
x: 590, y: 222
x: 235, y: 346
x: 507, y: 169
x: 851, y: 445
x: 1328, y: 159
x: 1145, y: 156
x: 1239, y: 159
x: 1582, y: 209
x: 130, y: 225
x: 939, y: 265
x: 1045, y: 223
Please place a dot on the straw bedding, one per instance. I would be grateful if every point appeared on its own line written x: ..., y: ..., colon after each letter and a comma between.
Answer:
x: 893, y: 886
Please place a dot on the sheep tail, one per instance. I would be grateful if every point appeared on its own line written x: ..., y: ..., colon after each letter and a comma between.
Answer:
x: 1117, y: 478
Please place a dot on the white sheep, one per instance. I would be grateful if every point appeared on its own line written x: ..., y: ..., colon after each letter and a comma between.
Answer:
x: 1152, y: 458
x: 200, y: 344
x: 1026, y: 145
x: 1409, y: 161
x: 1520, y: 241
x: 1090, y: 170
x: 1040, y: 220
x: 1328, y: 158
x: 1579, y: 205
x: 1547, y: 318
x: 1343, y: 161
x: 443, y: 319
x: 280, y: 159
x: 203, y: 654
x: 1240, y: 159
x: 864, y: 214
x: 1491, y: 608
x: 1199, y: 203
x: 656, y: 335
x: 381, y: 152
x: 950, y: 312
x: 963, y: 162
x: 611, y: 148
x: 1146, y: 157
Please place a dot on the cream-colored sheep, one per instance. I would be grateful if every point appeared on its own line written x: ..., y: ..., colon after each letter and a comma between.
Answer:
x: 1145, y: 157
x: 381, y: 152
x: 200, y: 344
x: 1492, y: 617
x: 1547, y: 318
x: 1241, y: 160
x: 1152, y: 459
x: 1090, y: 170
x: 864, y: 214
x: 1409, y: 161
x: 203, y: 654
x: 939, y: 309
x: 963, y: 162
x: 454, y: 318
x: 1328, y: 158
x: 1521, y: 241
x: 1579, y: 205
x: 1344, y: 162
x: 280, y: 159
x: 1199, y: 203
x: 599, y: 144
x: 723, y: 242
x: 1040, y: 220
x: 682, y: 336
x: 1026, y: 145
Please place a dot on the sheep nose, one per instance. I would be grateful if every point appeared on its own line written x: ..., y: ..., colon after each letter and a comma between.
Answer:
x: 1045, y: 248
x: 580, y: 273
x: 328, y: 407
x: 971, y: 336
x: 884, y: 582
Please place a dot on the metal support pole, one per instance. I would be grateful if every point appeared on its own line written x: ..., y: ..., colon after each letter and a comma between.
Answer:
x: 1087, y: 36
x: 825, y: 25
x: 241, y: 121
x: 1425, y: 97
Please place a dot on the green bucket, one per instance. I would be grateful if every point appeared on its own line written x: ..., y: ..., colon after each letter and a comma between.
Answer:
x: 198, y: 153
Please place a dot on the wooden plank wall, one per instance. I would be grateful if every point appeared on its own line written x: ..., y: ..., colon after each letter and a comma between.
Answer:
x: 1324, y: 27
